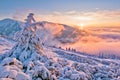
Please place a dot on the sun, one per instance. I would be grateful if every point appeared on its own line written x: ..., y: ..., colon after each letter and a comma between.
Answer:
x: 82, y: 26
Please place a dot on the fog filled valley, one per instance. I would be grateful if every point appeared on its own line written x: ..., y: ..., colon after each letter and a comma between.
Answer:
x: 99, y: 40
x: 51, y: 51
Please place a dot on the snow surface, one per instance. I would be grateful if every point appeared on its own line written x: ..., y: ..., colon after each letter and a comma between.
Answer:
x: 5, y: 45
x: 30, y: 59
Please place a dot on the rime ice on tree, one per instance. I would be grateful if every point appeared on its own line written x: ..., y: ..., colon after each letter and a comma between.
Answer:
x: 30, y: 21
x: 29, y: 51
x: 28, y: 41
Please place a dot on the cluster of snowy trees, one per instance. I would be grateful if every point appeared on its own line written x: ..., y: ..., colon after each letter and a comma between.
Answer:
x: 67, y: 48
x: 99, y: 55
x: 70, y: 49
x: 108, y: 56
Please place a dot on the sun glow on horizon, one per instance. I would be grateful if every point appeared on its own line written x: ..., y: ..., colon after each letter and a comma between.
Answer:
x: 79, y: 18
x: 82, y: 26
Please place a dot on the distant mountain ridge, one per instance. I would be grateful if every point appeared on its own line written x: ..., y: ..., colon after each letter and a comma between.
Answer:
x: 60, y: 32
x: 8, y: 27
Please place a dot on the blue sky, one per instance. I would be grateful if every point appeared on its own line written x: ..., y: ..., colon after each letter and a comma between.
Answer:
x: 19, y: 9
x: 46, y: 6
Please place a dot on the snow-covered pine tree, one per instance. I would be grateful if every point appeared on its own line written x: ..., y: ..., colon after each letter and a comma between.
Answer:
x: 28, y: 53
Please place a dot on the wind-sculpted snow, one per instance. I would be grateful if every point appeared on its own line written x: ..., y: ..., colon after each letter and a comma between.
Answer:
x: 28, y: 60
x: 96, y: 69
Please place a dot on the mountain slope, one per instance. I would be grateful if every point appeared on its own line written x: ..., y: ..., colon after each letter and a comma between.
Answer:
x: 31, y: 60
x: 5, y: 45
x: 9, y: 27
x: 28, y: 61
x: 63, y: 33
x: 57, y: 32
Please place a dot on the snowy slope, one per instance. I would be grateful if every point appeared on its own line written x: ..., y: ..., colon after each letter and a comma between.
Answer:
x: 30, y: 59
x: 5, y: 45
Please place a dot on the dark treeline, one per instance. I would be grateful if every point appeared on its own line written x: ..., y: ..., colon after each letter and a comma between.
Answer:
x: 99, y: 55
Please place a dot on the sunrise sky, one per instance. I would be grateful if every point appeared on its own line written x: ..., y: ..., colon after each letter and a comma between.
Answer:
x: 71, y: 12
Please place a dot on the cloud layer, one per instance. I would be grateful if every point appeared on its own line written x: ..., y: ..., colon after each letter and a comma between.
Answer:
x: 88, y: 18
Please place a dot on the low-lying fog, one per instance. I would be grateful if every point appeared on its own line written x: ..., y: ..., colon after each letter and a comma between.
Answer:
x: 100, y: 40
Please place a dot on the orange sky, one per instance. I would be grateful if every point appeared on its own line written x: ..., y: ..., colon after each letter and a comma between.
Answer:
x: 95, y: 18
